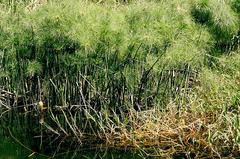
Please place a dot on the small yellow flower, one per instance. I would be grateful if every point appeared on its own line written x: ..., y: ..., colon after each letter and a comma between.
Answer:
x: 40, y: 106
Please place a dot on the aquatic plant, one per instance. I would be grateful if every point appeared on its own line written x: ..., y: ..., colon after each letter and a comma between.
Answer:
x: 125, y: 74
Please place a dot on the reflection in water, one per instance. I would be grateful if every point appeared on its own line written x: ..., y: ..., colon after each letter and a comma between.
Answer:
x: 9, y: 149
x: 21, y: 137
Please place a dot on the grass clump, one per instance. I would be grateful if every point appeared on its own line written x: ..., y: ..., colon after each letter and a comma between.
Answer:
x: 222, y: 21
x: 236, y: 5
x: 55, y: 43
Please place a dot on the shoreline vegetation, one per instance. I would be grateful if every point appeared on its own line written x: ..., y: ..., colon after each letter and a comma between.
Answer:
x: 155, y: 75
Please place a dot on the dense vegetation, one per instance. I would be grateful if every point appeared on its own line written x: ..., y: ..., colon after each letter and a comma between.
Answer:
x: 162, y: 74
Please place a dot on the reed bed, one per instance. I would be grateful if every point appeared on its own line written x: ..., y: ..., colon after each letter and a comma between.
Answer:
x: 153, y: 75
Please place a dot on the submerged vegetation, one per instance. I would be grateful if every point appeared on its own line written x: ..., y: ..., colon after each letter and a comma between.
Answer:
x: 161, y: 76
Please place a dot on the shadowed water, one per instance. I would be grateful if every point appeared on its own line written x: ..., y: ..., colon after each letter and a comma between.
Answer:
x: 9, y: 149
x: 21, y: 138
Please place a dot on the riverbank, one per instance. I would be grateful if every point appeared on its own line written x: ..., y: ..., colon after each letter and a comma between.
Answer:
x: 158, y: 76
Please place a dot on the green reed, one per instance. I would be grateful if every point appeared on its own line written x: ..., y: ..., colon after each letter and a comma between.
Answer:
x: 98, y: 67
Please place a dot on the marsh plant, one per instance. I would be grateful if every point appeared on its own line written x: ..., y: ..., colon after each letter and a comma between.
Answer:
x: 125, y: 73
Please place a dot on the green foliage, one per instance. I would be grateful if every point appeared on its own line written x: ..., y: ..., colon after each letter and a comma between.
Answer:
x: 221, y: 20
x: 34, y: 68
x: 62, y: 41
x: 201, y: 12
x: 236, y: 5
x: 127, y: 47
x: 225, y: 22
x: 107, y: 59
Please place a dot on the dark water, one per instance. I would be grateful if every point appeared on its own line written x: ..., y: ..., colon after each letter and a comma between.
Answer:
x: 11, y: 149
x: 21, y: 138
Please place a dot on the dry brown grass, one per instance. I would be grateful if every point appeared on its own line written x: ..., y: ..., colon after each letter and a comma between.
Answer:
x: 34, y: 5
x: 194, y: 134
